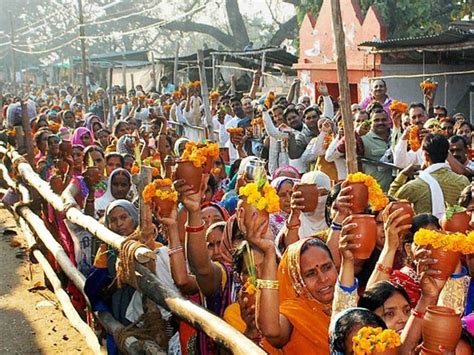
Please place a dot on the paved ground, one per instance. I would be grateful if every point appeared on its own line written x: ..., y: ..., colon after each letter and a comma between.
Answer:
x: 31, y: 321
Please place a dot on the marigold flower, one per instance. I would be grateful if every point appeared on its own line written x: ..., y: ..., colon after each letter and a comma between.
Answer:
x: 135, y: 170
x: 369, y: 340
x: 428, y: 85
x: 161, y: 188
x: 413, y: 138
x: 456, y: 242
x: 235, y: 130
x: 398, y: 106
x: 265, y: 200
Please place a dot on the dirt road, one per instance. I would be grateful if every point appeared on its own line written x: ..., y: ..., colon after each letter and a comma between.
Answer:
x: 31, y: 321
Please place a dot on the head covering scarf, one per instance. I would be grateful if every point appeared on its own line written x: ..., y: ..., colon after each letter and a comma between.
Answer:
x: 285, y: 168
x: 102, y: 202
x: 126, y: 205
x: 309, y: 318
x: 315, y: 222
x: 231, y: 233
x: 78, y: 133
x: 122, y: 147
x: 222, y: 211
x: 116, y: 126
x: 277, y: 220
x: 90, y: 120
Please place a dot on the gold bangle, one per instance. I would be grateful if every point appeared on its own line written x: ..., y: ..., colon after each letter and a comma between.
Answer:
x: 269, y: 284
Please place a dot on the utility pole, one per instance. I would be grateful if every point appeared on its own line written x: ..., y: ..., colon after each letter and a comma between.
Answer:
x: 12, y: 45
x: 83, y: 54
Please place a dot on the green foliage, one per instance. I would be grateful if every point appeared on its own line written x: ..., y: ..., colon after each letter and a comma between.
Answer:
x: 405, y: 18
x: 451, y: 210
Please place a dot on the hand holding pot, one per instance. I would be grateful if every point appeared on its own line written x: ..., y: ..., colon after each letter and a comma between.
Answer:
x: 255, y: 234
x: 170, y: 220
x: 342, y: 204
x: 348, y: 241
x: 394, y: 227
x: 190, y: 199
x: 247, y: 312
x: 430, y: 284
x: 297, y: 203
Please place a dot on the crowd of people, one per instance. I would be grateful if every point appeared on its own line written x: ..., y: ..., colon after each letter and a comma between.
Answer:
x: 243, y: 241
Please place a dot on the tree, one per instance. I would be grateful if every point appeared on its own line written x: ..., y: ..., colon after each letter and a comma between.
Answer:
x: 219, y: 23
x: 407, y: 18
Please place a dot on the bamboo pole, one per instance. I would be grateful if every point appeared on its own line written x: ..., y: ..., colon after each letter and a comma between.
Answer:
x: 153, y: 71
x: 68, y: 308
x: 212, y: 325
x: 339, y: 37
x: 205, y: 95
x: 74, y: 215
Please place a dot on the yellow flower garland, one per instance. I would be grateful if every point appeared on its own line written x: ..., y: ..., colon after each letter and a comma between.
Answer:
x: 456, y: 242
x: 267, y: 199
x: 377, y: 198
x: 369, y: 340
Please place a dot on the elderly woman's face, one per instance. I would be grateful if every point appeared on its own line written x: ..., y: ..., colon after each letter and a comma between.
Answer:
x: 285, y: 192
x: 120, y: 186
x: 121, y: 222
x: 211, y: 215
x: 319, y: 274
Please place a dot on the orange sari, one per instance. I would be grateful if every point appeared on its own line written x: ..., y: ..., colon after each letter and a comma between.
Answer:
x: 309, y: 318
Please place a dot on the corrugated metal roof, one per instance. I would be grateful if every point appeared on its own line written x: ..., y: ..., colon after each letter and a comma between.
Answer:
x: 451, y: 36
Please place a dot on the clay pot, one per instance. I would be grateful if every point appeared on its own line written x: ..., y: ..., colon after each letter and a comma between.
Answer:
x: 459, y: 222
x: 208, y: 166
x: 62, y: 166
x: 367, y: 228
x: 186, y: 171
x: 165, y: 207
x: 56, y: 183
x: 407, y: 208
x: 92, y: 175
x: 310, y: 194
x: 360, y: 199
x: 425, y: 351
x: 66, y: 148
x: 441, y: 326
x: 447, y: 261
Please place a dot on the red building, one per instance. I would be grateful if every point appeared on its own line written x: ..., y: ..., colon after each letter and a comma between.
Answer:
x: 317, y: 57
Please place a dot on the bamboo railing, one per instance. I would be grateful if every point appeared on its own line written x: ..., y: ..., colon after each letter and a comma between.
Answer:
x: 148, y: 283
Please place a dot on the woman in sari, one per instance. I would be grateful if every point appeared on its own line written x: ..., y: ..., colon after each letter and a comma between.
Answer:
x: 82, y: 136
x: 295, y: 300
x: 118, y: 187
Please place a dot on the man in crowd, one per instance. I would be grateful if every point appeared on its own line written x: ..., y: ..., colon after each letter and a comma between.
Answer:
x: 435, y: 186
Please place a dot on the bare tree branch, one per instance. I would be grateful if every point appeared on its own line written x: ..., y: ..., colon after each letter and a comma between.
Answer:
x: 269, y: 6
x: 287, y: 30
x: 236, y: 22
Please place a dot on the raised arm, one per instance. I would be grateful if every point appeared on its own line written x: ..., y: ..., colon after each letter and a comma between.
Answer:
x: 255, y: 84
x: 185, y: 282
x: 293, y: 88
x: 393, y: 229
x: 208, y: 275
x: 274, y: 326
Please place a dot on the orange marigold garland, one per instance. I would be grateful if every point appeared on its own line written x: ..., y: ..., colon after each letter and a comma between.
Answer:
x: 414, y: 138
x: 235, y: 130
x: 327, y: 140
x: 214, y: 95
x: 398, y: 106
x: 269, y: 100
x: 154, y: 189
x: 428, y: 85
x: 199, y: 153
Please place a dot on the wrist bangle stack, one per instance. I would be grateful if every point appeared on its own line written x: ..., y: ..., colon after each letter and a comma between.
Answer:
x: 195, y: 229
x: 268, y: 284
x: 384, y: 269
x: 336, y: 226
x: 175, y: 250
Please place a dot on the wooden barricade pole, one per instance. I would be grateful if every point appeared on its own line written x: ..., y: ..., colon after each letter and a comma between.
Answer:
x: 205, y: 95
x: 339, y: 37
